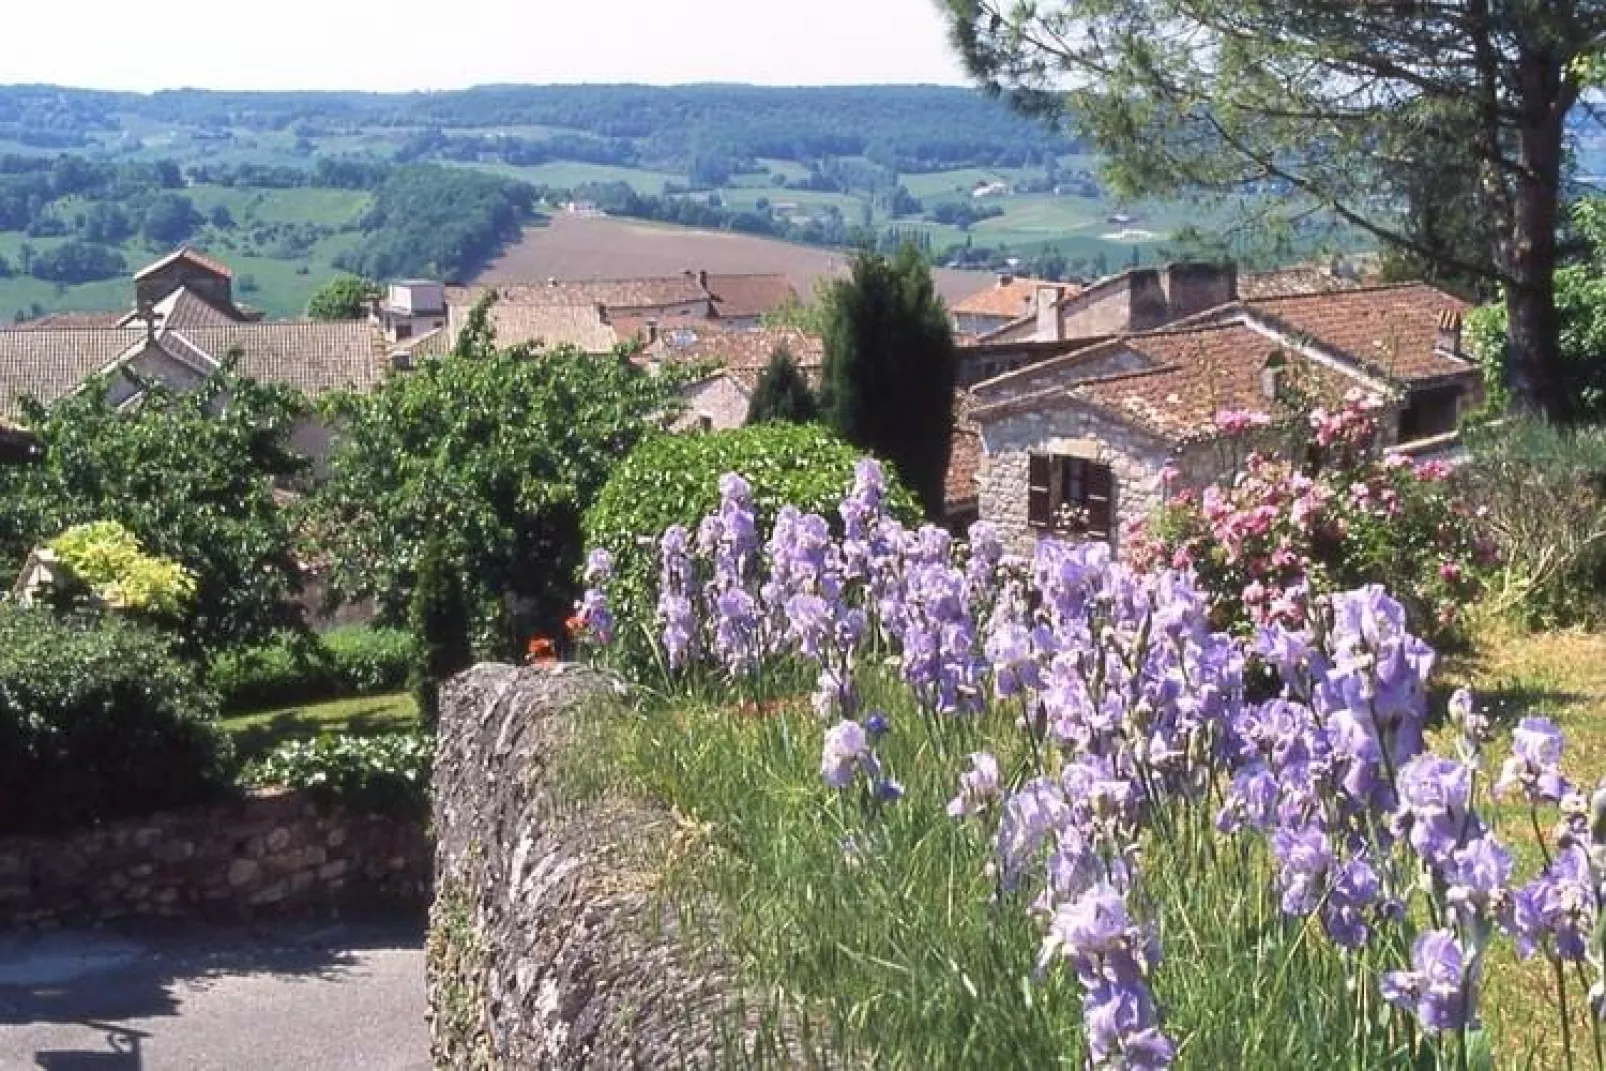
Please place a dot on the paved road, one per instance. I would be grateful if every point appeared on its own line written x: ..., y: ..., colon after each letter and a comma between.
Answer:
x: 348, y: 997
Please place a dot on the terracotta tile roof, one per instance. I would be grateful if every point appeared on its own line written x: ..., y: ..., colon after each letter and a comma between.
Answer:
x: 747, y: 296
x: 960, y: 484
x: 48, y: 364
x: 735, y: 350
x: 545, y: 325
x: 620, y: 294
x: 436, y: 343
x: 313, y: 357
x: 1010, y: 299
x: 194, y: 256
x: 1201, y: 372
x: 1390, y: 330
x: 184, y: 308
x: 61, y: 321
x: 1284, y: 282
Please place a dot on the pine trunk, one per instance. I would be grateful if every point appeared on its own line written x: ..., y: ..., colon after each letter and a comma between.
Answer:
x: 1533, y: 344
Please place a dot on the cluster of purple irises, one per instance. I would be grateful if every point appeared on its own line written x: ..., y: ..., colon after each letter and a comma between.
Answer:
x: 1134, y: 711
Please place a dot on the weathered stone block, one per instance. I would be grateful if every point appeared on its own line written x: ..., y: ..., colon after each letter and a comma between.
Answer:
x: 244, y: 871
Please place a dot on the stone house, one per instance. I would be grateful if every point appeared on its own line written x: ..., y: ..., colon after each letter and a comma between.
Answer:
x: 1011, y: 298
x: 1080, y: 444
x: 734, y: 359
x: 595, y: 315
x: 1139, y: 299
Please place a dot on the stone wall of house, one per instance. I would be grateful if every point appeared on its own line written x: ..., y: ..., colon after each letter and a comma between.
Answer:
x: 266, y: 854
x: 715, y: 404
x: 1136, y: 459
x: 1192, y: 287
x: 551, y: 942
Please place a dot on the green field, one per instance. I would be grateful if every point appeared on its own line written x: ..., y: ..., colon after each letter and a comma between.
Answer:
x: 568, y: 174
x: 273, y: 269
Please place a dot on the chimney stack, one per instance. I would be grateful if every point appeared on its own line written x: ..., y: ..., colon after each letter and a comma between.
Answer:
x: 702, y: 279
x: 1049, y: 325
x: 1005, y: 278
x: 1448, y: 338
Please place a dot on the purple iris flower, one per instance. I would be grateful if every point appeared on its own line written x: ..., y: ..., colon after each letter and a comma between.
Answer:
x: 1534, y: 767
x: 1435, y: 988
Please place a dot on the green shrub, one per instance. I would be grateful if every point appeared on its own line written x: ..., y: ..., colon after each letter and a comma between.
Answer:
x: 674, y: 479
x: 98, y: 721
x: 108, y: 560
x: 1540, y: 492
x: 295, y: 668
x: 382, y: 774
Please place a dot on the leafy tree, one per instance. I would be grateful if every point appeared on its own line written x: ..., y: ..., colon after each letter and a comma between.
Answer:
x: 73, y: 262
x: 439, y: 618
x: 782, y: 393
x: 1581, y: 301
x: 190, y: 477
x: 170, y: 219
x: 494, y: 456
x: 890, y: 367
x: 345, y: 297
x: 1316, y: 99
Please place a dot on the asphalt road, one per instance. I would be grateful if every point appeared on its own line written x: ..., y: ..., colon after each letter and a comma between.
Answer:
x: 347, y: 997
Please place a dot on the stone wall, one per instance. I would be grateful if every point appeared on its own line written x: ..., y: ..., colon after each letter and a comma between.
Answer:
x: 551, y: 943
x: 1135, y: 458
x: 266, y: 854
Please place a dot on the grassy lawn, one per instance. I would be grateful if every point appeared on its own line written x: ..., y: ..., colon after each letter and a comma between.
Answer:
x: 372, y: 715
x: 1562, y: 676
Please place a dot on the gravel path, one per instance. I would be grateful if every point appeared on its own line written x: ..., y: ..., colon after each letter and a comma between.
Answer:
x: 349, y: 996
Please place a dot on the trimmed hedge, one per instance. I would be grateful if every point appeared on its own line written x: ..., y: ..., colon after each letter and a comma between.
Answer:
x: 99, y: 721
x: 350, y: 661
x: 674, y: 479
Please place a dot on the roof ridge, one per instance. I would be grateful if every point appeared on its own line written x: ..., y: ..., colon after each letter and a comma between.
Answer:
x: 1347, y: 291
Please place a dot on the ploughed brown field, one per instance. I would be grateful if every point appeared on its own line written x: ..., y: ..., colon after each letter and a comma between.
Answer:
x: 590, y: 247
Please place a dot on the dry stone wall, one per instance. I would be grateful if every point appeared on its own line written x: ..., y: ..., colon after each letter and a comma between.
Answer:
x: 551, y: 943
x: 266, y: 854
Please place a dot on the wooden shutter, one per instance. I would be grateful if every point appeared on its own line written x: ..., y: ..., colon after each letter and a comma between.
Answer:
x: 1098, y: 484
x: 1039, y: 481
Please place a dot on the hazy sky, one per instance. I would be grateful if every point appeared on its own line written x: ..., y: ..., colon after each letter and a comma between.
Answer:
x: 443, y: 44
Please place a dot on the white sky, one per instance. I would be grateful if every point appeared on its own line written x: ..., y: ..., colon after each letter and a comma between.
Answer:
x: 448, y: 44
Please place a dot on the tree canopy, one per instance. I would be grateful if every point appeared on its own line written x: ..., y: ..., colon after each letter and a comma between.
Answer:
x: 890, y: 366
x: 1342, y: 106
x: 190, y: 475
x: 345, y: 297
x: 491, y: 457
x: 782, y: 393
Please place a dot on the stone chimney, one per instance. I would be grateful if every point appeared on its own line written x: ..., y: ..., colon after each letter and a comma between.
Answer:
x: 1048, y: 315
x: 702, y: 279
x: 1448, y: 338
x: 1005, y: 278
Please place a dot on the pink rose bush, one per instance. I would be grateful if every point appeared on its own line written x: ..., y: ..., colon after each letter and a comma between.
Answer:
x: 1275, y: 535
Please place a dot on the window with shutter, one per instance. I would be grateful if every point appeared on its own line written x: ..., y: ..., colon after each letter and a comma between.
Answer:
x: 1039, y: 484
x: 1071, y: 495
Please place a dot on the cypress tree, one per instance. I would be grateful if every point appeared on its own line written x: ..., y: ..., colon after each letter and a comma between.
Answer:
x: 439, y: 617
x: 890, y: 366
x: 782, y: 393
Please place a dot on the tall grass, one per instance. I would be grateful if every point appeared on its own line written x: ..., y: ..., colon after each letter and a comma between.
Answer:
x: 882, y: 928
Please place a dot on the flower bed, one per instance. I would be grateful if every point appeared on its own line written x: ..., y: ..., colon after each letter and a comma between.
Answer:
x: 1033, y: 776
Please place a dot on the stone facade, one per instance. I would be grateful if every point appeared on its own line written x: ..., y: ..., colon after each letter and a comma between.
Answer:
x: 1135, y: 457
x: 267, y: 854
x: 716, y: 403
